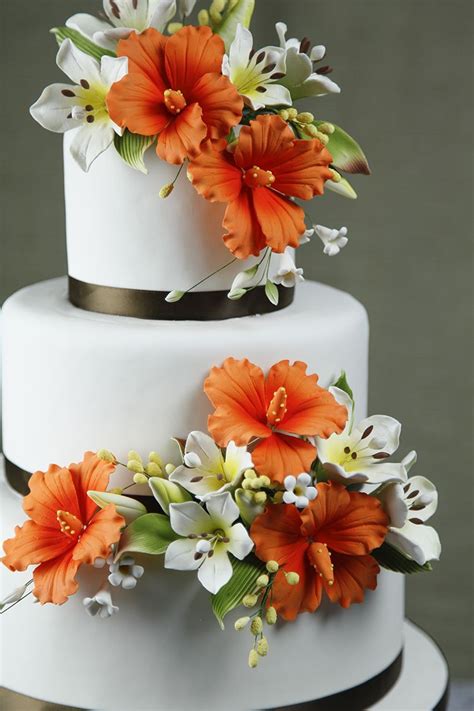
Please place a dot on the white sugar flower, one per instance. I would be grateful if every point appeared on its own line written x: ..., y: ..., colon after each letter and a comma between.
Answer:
x: 101, y: 604
x: 206, y: 470
x: 185, y: 7
x: 62, y: 107
x: 299, y: 490
x: 255, y: 75
x: 359, y: 453
x: 288, y: 274
x: 125, y: 573
x: 124, y: 17
x: 208, y: 537
x: 408, y: 507
x: 306, y: 236
x: 15, y: 596
x: 300, y: 77
x: 334, y: 240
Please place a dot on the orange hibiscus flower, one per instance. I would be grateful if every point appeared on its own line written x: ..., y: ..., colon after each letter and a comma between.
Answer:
x: 175, y: 88
x: 66, y: 529
x: 327, y: 544
x: 277, y: 410
x: 267, y: 167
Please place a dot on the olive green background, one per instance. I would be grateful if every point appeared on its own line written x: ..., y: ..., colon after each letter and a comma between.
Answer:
x: 404, y: 67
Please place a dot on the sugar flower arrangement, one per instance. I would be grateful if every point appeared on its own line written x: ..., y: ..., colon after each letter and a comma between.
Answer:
x: 204, y: 97
x: 285, y: 501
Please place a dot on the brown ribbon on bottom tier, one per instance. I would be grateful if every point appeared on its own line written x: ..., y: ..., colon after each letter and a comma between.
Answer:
x: 194, y: 306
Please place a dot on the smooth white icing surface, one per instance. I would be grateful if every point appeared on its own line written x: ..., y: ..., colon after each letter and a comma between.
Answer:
x: 121, y: 233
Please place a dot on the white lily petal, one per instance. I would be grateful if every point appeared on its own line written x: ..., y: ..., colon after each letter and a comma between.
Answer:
x: 180, y: 555
x: 160, y: 15
x: 52, y: 109
x: 386, y: 432
x: 316, y: 85
x: 343, y: 398
x: 418, y: 541
x: 317, y: 53
x: 274, y: 95
x: 207, y: 484
x: 237, y: 460
x: 86, y: 24
x: 188, y: 518
x: 410, y: 460
x: 90, y: 141
x: 216, y: 571
x: 109, y: 38
x: 77, y: 65
x: 240, y: 543
x: 394, y: 504
x: 298, y: 68
x: 422, y: 497
x: 241, y: 47
x: 185, y: 7
x: 379, y: 473
x: 223, y: 509
x: 281, y: 30
x: 113, y: 69
x: 201, y: 445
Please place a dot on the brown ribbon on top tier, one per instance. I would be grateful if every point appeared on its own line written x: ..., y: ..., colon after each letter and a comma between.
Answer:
x: 194, y: 306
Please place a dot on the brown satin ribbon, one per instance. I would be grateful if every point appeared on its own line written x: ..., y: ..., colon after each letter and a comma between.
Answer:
x: 195, y: 306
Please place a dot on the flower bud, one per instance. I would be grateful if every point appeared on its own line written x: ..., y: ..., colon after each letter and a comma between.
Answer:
x: 292, y: 114
x: 174, y: 296
x: 311, y: 130
x: 271, y: 616
x: 266, y: 481
x: 336, y: 178
x: 246, y: 484
x: 260, y: 498
x: 166, y: 191
x: 117, y: 490
x: 292, y: 578
x: 153, y: 469
x: 257, y: 625
x: 140, y: 478
x: 169, y: 468
x: 262, y: 647
x: 253, y: 659
x: 256, y: 483
x: 203, y: 17
x: 250, y: 474
x: 167, y: 492
x: 262, y: 581
x: 155, y: 457
x: 305, y: 117
x: 326, y: 127
x: 241, y: 623
x: 135, y: 466
x: 135, y: 456
x: 272, y: 566
x: 106, y: 455
x: 249, y: 600
x: 174, y: 27
x: 284, y: 114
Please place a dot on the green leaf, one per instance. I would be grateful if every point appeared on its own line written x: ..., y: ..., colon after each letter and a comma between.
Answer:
x: 343, y: 187
x: 241, y: 583
x: 131, y: 148
x: 342, y: 384
x: 347, y: 155
x: 151, y: 533
x: 241, y: 13
x: 393, y: 559
x: 271, y: 290
x: 81, y: 42
x: 127, y: 507
x: 167, y: 492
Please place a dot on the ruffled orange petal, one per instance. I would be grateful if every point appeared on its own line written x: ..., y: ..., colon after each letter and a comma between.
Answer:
x: 190, y: 53
x: 244, y: 236
x: 136, y: 103
x: 33, y: 544
x: 92, y: 474
x: 348, y: 522
x: 183, y: 136
x: 145, y: 52
x: 50, y: 492
x: 302, y: 169
x: 55, y: 580
x: 262, y: 141
x: 237, y: 391
x: 214, y: 175
x: 352, y: 576
x: 220, y: 102
x: 280, y: 455
x: 310, y: 409
x: 282, y: 222
x: 290, y: 600
x: 100, y: 534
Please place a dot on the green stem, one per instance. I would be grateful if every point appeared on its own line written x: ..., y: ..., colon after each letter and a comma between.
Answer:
x: 211, y: 275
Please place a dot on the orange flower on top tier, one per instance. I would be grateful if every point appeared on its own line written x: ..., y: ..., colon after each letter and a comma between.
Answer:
x: 328, y: 544
x: 277, y: 410
x: 268, y: 166
x: 65, y: 528
x: 175, y: 88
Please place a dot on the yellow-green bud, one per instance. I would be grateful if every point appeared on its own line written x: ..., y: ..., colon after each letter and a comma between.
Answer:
x: 232, y: 4
x: 256, y: 483
x: 284, y: 114
x: 215, y: 16
x: 135, y: 456
x: 272, y: 566
x: 326, y: 127
x: 135, y: 466
x: 106, y: 455
x: 253, y: 659
x: 311, y: 130
x: 260, y: 497
x: 247, y: 484
x: 305, y: 117
x: 218, y: 5
x: 241, y: 623
x: 266, y: 481
x: 140, y: 478
x: 262, y: 581
x: 278, y: 498
x: 250, y: 474
x: 323, y: 138
x: 155, y: 457
x: 336, y: 178
x: 271, y: 616
x: 257, y: 625
x: 292, y: 113
x: 292, y: 578
x: 169, y: 469
x: 203, y: 17
x: 166, y: 190
x: 153, y: 469
x: 117, y: 490
x: 249, y: 600
x: 262, y: 647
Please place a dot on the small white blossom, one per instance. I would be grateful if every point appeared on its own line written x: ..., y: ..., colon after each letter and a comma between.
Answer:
x: 125, y: 573
x: 101, y: 604
x: 334, y: 240
x: 288, y: 274
x: 306, y: 236
x: 299, y: 490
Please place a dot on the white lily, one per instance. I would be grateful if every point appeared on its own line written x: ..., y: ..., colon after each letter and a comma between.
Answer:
x: 256, y: 75
x: 408, y: 507
x: 123, y: 17
x: 358, y: 454
x: 334, y: 240
x: 101, y: 604
x: 206, y: 470
x: 300, y: 77
x: 288, y: 273
x: 208, y: 537
x: 62, y: 107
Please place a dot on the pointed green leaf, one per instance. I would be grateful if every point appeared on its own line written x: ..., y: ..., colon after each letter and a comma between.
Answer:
x: 342, y: 384
x: 271, y: 290
x: 167, y: 492
x: 391, y: 558
x: 131, y: 148
x: 346, y: 153
x: 151, y: 533
x: 241, y: 13
x: 343, y: 187
x: 242, y: 582
x: 127, y: 507
x: 81, y: 42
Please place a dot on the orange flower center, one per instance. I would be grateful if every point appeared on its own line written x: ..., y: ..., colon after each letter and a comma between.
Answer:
x: 174, y: 101
x: 277, y: 408
x: 68, y: 523
x: 320, y: 559
x: 257, y: 178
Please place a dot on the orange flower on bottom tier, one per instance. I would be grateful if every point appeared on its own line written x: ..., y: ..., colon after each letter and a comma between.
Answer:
x: 66, y: 529
x: 277, y: 410
x: 267, y: 168
x: 327, y: 544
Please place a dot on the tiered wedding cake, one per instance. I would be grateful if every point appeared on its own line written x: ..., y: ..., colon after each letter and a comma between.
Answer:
x: 160, y: 336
